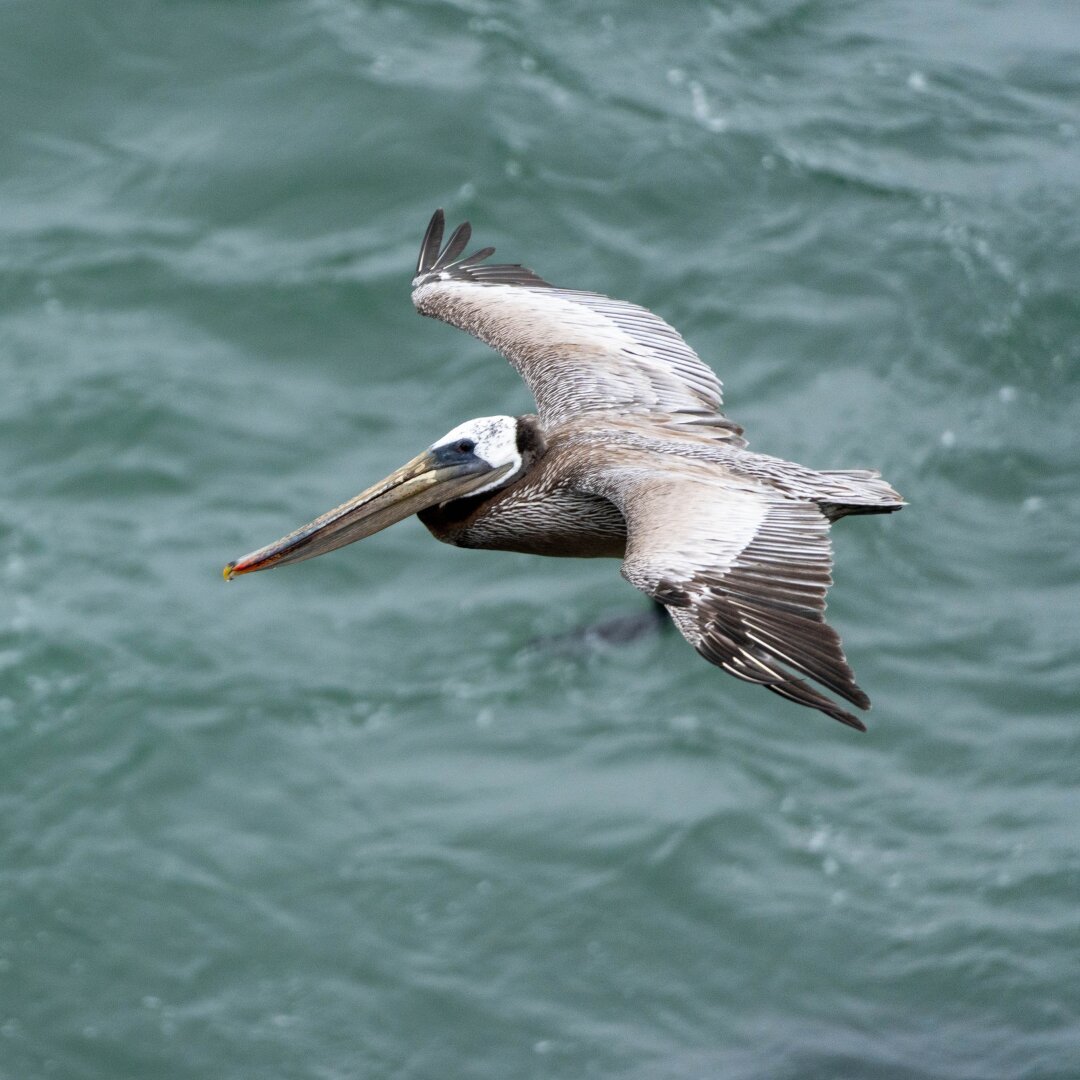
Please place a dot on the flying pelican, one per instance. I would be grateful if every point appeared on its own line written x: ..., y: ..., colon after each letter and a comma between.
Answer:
x: 629, y: 457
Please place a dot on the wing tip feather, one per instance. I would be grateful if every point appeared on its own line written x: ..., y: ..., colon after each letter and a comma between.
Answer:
x: 432, y: 242
x: 435, y: 257
x: 438, y: 261
x: 736, y: 660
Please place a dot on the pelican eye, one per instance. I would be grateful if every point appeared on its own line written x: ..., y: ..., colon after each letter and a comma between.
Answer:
x: 465, y: 446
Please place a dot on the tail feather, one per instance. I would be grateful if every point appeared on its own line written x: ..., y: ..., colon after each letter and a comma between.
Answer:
x: 835, y: 511
x: 857, y: 491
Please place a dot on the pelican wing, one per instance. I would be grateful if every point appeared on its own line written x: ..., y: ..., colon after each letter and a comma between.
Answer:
x: 743, y: 572
x: 577, y: 351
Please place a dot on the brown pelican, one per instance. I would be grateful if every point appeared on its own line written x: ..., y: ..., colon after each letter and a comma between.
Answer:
x: 630, y: 456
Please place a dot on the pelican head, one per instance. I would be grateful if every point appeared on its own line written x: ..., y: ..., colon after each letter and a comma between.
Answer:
x: 475, y: 458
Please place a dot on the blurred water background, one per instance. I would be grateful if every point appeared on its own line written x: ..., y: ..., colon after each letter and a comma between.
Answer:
x: 344, y: 820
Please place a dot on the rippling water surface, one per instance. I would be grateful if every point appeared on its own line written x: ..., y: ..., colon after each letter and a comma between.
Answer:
x: 350, y: 820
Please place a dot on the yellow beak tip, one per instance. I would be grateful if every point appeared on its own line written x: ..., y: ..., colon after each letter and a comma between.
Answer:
x: 227, y: 573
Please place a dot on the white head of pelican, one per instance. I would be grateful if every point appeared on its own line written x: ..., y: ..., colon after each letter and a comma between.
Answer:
x: 630, y: 456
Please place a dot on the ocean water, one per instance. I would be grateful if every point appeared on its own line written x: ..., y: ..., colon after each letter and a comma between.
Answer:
x: 363, y: 817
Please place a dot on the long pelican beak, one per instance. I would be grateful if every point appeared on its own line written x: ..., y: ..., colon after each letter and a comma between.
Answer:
x: 424, y: 481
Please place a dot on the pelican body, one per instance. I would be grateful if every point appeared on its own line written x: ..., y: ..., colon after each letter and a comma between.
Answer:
x: 630, y: 456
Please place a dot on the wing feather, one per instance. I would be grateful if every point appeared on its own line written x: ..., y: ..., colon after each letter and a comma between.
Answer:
x: 743, y: 572
x: 431, y: 245
x: 577, y: 351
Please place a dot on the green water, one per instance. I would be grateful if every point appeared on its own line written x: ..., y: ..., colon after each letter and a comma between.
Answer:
x: 347, y: 819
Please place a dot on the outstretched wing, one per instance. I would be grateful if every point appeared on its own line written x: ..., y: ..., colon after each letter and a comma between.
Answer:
x: 577, y: 351
x: 742, y: 570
